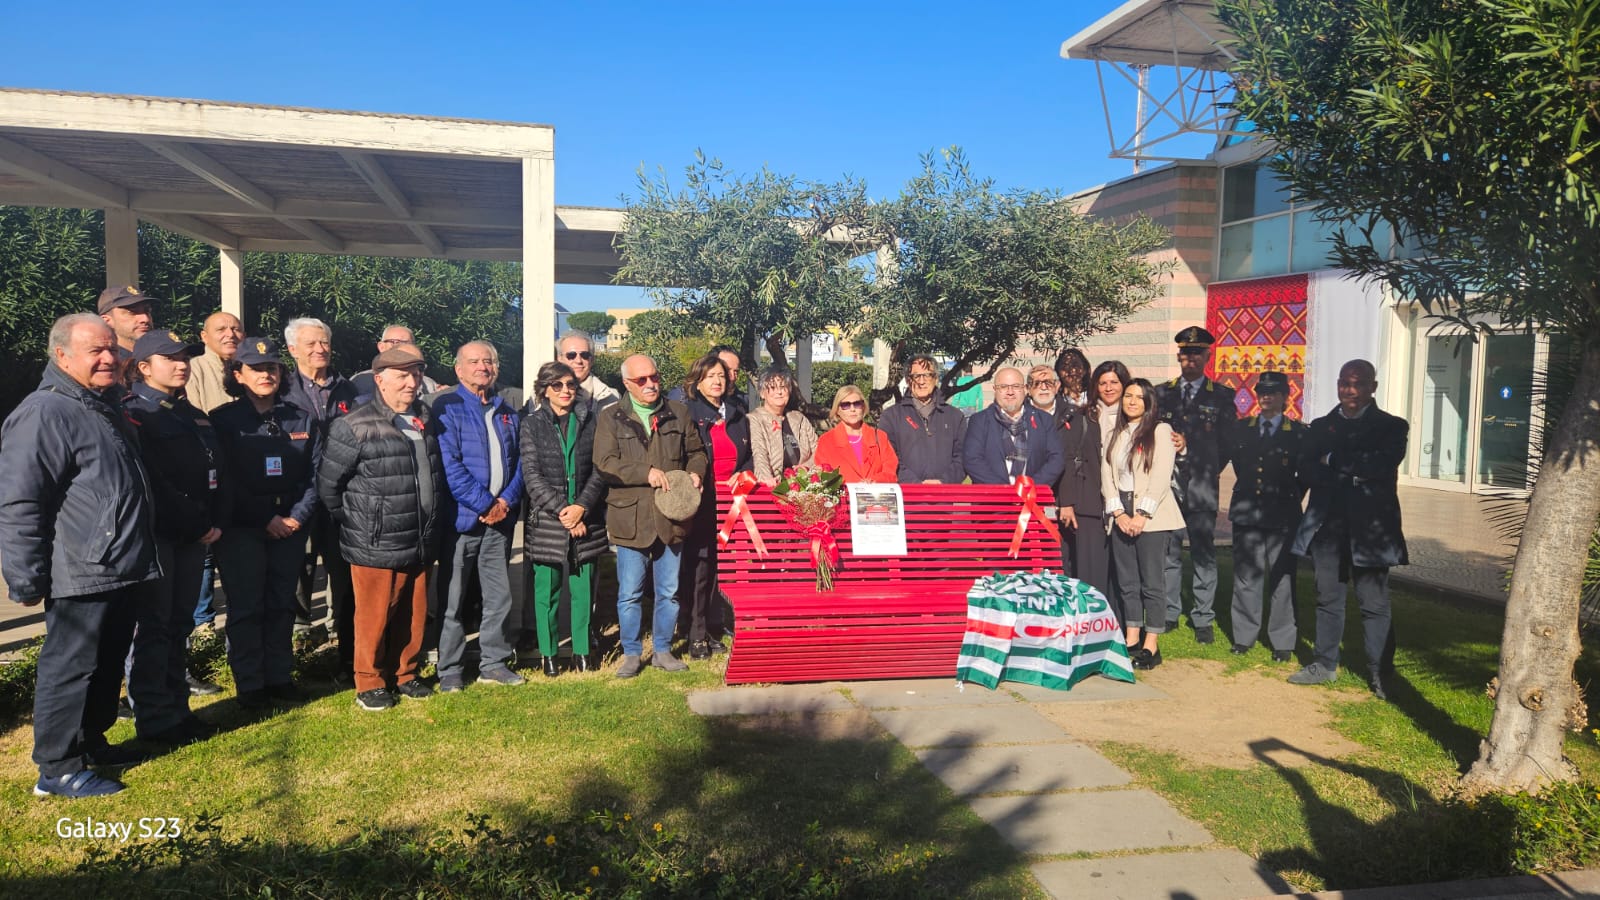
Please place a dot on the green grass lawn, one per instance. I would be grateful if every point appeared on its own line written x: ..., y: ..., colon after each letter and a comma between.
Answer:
x: 327, y: 779
x: 1385, y: 815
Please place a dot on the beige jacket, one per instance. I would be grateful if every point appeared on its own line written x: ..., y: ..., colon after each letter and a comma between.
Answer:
x: 205, y: 389
x: 766, y: 442
x: 1152, y: 490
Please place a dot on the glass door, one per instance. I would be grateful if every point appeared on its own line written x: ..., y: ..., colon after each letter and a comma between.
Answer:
x: 1505, y: 421
x: 1446, y: 399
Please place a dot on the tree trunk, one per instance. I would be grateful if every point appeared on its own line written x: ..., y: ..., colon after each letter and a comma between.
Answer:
x: 1537, y: 702
x: 775, y: 350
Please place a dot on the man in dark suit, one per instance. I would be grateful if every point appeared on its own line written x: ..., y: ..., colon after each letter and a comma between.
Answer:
x: 1011, y: 438
x: 1202, y: 416
x: 1264, y: 512
x: 1351, y: 529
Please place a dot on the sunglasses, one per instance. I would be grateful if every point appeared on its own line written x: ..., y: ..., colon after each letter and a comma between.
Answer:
x: 853, y: 404
x: 642, y: 380
x: 1044, y: 382
x: 579, y: 354
x: 564, y: 386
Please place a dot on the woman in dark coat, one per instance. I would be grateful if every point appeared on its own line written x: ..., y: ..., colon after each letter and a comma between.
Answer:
x: 565, y: 531
x: 1078, y: 496
x: 725, y: 431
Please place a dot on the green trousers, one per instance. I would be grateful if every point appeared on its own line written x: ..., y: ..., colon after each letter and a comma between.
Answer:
x: 547, y: 592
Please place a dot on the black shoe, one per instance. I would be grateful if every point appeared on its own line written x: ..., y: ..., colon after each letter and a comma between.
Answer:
x: 375, y: 700
x: 582, y: 663
x: 119, y: 755
x: 414, y: 690
x: 199, y: 687
x: 699, y: 649
x: 1205, y: 634
x: 255, y: 700
x: 1376, y: 680
x: 285, y: 693
x: 1282, y: 656
x: 551, y: 667
x: 1147, y: 659
x: 1240, y: 649
x: 174, y: 736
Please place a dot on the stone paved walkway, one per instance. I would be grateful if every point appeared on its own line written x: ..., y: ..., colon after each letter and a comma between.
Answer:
x: 1048, y: 795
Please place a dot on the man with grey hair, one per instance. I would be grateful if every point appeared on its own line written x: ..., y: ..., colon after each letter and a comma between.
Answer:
x: 77, y: 534
x: 393, y: 335
x: 483, y: 470
x: 316, y: 387
x: 576, y: 349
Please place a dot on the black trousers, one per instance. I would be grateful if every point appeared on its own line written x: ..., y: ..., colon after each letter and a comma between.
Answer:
x: 1330, y: 560
x: 1086, y: 552
x: 80, y: 675
x: 697, y: 584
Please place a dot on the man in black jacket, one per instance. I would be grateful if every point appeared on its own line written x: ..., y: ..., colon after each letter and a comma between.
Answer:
x: 381, y: 480
x: 1264, y: 512
x: 1202, y: 416
x: 1011, y: 438
x: 1351, y: 529
x: 315, y: 386
x: 77, y: 535
x: 925, y: 431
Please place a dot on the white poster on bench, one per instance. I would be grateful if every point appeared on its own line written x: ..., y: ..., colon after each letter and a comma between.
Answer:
x: 877, y: 520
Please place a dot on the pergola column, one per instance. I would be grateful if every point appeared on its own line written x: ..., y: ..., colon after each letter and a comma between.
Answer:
x: 884, y: 261
x: 233, y: 283
x: 538, y: 266
x: 122, y: 247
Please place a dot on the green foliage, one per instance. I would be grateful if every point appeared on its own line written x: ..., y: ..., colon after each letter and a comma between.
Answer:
x: 673, y: 339
x: 603, y: 854
x: 1556, y: 830
x: 976, y: 273
x: 608, y: 368
x: 750, y: 256
x: 594, y: 324
x: 828, y: 377
x: 17, y: 678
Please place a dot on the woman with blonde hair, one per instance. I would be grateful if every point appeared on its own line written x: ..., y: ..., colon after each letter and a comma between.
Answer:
x: 859, y: 451
x: 1136, y: 478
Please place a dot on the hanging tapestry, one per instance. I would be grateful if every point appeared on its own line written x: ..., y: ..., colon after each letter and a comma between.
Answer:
x: 1260, y: 326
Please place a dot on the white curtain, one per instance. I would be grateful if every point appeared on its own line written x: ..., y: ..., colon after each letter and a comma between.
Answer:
x: 1344, y: 321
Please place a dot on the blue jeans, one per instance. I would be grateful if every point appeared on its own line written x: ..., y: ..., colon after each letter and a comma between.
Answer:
x: 664, y: 564
x: 205, y: 612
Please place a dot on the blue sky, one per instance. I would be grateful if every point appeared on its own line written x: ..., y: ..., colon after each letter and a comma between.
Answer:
x: 819, y: 90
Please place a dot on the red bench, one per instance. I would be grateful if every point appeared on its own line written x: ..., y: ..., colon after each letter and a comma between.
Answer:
x: 887, y: 617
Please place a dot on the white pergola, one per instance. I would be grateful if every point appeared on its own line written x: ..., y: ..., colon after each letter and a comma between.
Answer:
x: 1140, y: 34
x: 243, y: 177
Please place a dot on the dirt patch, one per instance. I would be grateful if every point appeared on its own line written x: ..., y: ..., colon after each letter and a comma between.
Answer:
x: 848, y: 725
x: 1213, y: 718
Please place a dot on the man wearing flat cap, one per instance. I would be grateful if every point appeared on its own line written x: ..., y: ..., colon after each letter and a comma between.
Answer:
x: 381, y: 480
x: 1202, y: 416
x: 644, y: 443
x: 1265, y: 512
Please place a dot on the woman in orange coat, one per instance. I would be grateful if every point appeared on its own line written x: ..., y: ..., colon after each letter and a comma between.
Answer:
x: 859, y: 451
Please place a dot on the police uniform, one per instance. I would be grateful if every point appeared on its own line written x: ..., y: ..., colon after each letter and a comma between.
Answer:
x: 184, y: 461
x: 1265, y: 511
x: 272, y: 459
x: 1205, y: 416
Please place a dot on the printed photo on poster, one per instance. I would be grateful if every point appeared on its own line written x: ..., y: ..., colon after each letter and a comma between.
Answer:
x: 877, y: 520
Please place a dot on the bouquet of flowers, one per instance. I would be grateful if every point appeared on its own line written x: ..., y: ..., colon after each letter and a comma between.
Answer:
x: 809, y: 497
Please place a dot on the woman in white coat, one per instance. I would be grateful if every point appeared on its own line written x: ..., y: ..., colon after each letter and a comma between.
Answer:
x: 1136, y: 478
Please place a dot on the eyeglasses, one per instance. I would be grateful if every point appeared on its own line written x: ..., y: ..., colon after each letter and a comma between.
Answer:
x: 920, y: 376
x: 392, y: 341
x: 642, y: 380
x: 853, y: 404
x: 564, y: 386
x: 578, y: 354
x: 1044, y: 382
x: 1008, y: 387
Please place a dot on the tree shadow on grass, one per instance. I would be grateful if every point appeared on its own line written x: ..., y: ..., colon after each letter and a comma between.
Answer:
x: 763, y: 809
x: 1426, y: 838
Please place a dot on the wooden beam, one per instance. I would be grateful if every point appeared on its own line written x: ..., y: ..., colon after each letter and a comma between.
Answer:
x: 312, y: 230
x: 361, y: 248
x: 329, y: 210
x: 216, y: 174
x: 371, y: 171
x: 428, y: 237
x: 42, y: 170
x: 188, y: 225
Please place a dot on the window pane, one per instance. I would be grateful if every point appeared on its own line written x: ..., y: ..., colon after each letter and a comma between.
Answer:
x: 1254, y: 248
x: 1313, y: 241
x: 1251, y: 190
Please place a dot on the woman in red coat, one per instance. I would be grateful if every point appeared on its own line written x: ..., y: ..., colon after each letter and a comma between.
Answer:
x: 859, y: 451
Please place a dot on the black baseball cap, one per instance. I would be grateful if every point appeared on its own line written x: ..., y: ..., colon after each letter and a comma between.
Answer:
x: 255, y: 351
x: 164, y: 343
x: 120, y: 296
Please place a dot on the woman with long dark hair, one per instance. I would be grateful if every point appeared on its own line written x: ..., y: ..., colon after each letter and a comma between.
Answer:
x: 1085, y: 548
x: 1136, y: 478
x: 1106, y: 384
x: 272, y: 449
x: 725, y: 431
x: 1072, y: 367
x: 565, y: 527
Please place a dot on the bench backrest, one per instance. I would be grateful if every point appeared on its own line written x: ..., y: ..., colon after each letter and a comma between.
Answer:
x: 954, y: 533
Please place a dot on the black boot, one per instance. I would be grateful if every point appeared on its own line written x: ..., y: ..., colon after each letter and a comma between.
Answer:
x: 1375, y: 678
x: 551, y: 670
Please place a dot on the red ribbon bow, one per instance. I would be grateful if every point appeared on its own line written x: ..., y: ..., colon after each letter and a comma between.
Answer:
x: 1027, y: 492
x: 743, y: 484
x: 823, y: 544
